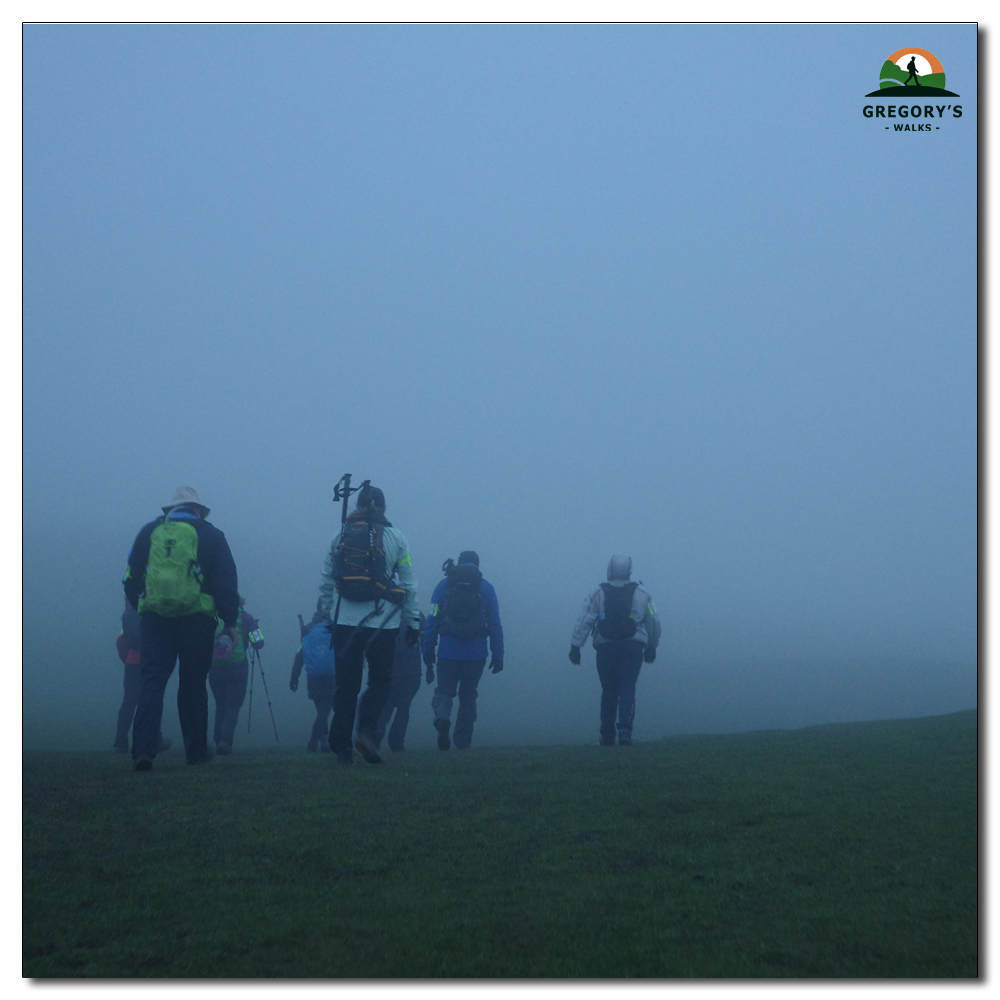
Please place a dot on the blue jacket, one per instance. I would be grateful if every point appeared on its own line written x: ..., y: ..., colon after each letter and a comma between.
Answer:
x: 465, y: 649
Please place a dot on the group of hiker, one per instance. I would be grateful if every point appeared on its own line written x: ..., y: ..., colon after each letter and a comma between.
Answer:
x: 183, y: 606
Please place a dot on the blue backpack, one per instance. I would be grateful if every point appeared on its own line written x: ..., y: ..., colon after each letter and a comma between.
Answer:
x: 317, y: 656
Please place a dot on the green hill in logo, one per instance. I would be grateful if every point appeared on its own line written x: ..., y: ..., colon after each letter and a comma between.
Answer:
x: 892, y: 76
x: 912, y: 72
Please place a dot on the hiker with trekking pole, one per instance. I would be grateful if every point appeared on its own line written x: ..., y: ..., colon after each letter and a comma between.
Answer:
x: 227, y: 676
x: 626, y: 630
x: 368, y: 592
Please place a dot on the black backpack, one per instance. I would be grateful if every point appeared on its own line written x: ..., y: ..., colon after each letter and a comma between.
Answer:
x: 616, y: 622
x: 463, y: 615
x: 359, y: 565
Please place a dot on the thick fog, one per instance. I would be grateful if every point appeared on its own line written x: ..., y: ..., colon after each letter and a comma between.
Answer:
x: 561, y: 292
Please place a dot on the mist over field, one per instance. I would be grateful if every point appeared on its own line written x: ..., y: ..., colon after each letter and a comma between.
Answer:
x: 560, y: 293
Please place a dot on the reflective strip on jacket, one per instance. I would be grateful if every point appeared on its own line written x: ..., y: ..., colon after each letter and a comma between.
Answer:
x: 398, y: 565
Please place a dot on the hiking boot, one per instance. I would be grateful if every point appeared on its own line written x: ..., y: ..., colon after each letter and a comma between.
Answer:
x: 443, y: 726
x: 624, y: 737
x: 312, y: 746
x: 165, y: 744
x: 325, y: 748
x: 223, y: 748
x: 204, y: 759
x: 345, y: 757
x: 605, y: 742
x: 143, y: 763
x: 118, y: 749
x: 365, y: 746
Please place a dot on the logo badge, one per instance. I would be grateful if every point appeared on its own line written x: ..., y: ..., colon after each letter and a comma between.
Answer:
x: 911, y: 73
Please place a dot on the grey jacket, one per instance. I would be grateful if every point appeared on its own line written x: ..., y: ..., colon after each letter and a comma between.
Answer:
x: 648, y: 626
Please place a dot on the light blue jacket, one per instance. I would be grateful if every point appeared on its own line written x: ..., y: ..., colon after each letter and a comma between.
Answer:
x: 398, y: 565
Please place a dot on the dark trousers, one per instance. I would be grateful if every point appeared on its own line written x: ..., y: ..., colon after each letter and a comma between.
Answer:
x: 401, y: 694
x: 321, y: 689
x: 349, y: 648
x: 133, y: 685
x: 164, y: 641
x: 461, y: 677
x: 130, y: 698
x: 618, y: 666
x: 228, y: 682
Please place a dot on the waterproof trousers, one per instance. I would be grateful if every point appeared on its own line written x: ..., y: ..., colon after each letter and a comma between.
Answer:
x: 130, y: 698
x: 401, y: 694
x: 461, y: 676
x: 164, y: 641
x: 320, y: 690
x: 618, y: 666
x: 228, y: 682
x: 351, y: 646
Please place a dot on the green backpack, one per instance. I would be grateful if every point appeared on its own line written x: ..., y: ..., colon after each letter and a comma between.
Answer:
x: 173, y: 576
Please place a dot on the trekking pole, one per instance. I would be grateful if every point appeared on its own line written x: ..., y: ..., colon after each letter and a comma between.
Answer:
x: 250, y: 708
x: 342, y: 491
x: 263, y: 681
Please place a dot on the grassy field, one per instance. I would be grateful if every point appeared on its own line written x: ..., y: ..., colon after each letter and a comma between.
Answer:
x: 835, y: 851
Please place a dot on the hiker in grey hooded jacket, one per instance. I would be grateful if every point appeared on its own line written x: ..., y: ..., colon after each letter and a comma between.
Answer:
x: 619, y: 657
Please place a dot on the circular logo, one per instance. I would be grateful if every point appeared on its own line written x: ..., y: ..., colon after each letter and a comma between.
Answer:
x: 914, y: 71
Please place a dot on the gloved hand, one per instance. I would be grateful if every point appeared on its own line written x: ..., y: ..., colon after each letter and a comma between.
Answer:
x: 412, y: 634
x: 430, y: 675
x: 294, y: 683
x: 574, y: 654
x: 429, y: 660
x: 650, y: 654
x: 231, y: 632
x: 496, y: 665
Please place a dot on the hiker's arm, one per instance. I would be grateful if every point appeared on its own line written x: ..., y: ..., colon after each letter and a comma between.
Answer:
x: 492, y: 608
x: 326, y: 587
x: 407, y: 577
x: 585, y: 623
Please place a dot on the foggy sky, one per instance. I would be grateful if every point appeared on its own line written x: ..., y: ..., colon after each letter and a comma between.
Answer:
x: 561, y: 291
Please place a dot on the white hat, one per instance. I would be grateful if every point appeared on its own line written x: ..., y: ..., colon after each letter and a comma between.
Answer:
x: 185, y: 495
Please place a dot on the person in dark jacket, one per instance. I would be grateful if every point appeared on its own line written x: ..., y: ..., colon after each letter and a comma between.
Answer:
x: 406, y: 676
x: 626, y: 630
x: 461, y: 659
x: 180, y: 575
x: 227, y: 677
x: 127, y: 645
x: 316, y: 656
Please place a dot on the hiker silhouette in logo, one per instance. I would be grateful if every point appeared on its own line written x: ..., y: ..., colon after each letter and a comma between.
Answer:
x: 464, y: 612
x: 180, y: 576
x: 912, y: 68
x: 626, y: 631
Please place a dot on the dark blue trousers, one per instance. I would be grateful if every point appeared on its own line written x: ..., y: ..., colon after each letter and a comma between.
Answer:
x: 228, y: 682
x: 618, y: 666
x: 461, y: 677
x: 401, y: 694
x: 162, y: 642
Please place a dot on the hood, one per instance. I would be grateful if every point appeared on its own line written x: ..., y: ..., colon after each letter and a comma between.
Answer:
x: 619, y: 570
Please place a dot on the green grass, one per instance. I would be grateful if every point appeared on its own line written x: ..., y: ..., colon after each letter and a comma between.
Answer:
x: 841, y: 850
